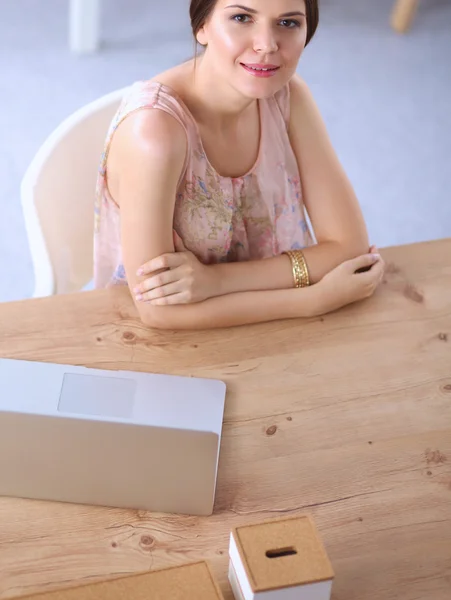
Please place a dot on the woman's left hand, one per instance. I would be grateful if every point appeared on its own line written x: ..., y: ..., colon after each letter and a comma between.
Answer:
x: 185, y: 279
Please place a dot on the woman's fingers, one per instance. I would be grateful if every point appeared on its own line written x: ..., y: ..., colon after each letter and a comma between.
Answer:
x: 375, y: 275
x: 180, y: 298
x: 382, y: 271
x: 170, y: 260
x: 363, y: 262
x: 160, y: 292
x: 157, y: 281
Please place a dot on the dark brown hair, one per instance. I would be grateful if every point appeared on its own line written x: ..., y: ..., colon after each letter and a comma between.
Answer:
x: 200, y: 10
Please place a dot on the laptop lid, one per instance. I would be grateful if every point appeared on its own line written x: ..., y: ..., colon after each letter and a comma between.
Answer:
x: 114, y: 438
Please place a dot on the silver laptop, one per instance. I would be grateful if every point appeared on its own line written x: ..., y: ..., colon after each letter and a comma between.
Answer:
x: 111, y: 438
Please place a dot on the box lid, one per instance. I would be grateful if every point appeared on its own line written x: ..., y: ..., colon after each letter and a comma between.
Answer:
x: 281, y: 553
x: 187, y: 582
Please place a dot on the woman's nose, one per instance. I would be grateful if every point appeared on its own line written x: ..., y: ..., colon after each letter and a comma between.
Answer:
x: 265, y: 41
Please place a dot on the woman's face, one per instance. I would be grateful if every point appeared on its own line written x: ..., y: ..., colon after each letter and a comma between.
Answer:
x: 255, y: 44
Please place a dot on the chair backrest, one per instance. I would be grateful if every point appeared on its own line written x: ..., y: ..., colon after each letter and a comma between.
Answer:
x: 58, y: 193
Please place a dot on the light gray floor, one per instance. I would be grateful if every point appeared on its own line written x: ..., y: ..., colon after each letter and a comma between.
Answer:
x: 386, y: 100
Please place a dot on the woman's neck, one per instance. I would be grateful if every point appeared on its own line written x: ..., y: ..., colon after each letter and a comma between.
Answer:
x: 213, y: 100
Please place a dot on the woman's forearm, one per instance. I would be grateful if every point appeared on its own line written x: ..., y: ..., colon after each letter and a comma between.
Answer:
x: 243, y: 308
x: 252, y: 276
x: 276, y: 273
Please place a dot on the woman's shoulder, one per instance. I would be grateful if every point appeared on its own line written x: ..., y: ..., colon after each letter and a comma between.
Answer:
x: 294, y: 98
x: 301, y: 97
x: 298, y: 89
x: 303, y: 107
x: 176, y: 79
x: 164, y: 92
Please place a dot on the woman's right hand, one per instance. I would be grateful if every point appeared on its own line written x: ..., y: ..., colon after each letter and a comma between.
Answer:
x: 344, y: 285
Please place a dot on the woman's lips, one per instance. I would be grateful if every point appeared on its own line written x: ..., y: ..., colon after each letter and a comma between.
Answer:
x: 260, y: 70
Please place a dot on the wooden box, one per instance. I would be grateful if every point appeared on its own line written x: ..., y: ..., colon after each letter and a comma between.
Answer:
x: 281, y: 559
x: 187, y: 582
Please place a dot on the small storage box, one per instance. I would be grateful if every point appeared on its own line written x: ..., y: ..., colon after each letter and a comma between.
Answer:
x: 281, y: 559
x: 187, y: 582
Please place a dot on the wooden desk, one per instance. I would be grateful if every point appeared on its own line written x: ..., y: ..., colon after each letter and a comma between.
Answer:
x: 347, y: 417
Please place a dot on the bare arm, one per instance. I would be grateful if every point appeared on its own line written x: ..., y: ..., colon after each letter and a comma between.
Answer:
x: 329, y: 198
x: 243, y: 308
x: 147, y: 156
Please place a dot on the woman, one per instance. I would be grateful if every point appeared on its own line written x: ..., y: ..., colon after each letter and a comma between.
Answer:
x: 206, y: 175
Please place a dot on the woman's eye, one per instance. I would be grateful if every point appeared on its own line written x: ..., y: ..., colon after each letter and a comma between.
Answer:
x: 241, y: 18
x: 290, y: 23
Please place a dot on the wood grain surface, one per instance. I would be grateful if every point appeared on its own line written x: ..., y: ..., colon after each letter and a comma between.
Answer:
x: 346, y: 417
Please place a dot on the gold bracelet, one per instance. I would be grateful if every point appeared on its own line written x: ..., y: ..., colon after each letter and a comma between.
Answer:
x: 300, y: 271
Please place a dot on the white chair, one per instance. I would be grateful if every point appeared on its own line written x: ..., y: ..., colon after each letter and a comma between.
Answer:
x: 57, y: 194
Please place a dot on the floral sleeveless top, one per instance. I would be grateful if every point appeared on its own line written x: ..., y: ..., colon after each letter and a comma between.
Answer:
x: 258, y: 215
